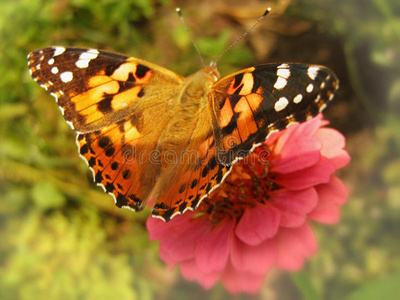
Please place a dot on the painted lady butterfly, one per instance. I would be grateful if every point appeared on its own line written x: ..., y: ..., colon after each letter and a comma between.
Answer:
x: 149, y: 134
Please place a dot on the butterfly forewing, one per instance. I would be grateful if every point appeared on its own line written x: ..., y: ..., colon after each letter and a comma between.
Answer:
x: 250, y: 104
x: 96, y: 88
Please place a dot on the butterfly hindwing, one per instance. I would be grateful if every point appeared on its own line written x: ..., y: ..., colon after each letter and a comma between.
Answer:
x: 254, y: 102
x: 113, y: 155
x: 197, y: 174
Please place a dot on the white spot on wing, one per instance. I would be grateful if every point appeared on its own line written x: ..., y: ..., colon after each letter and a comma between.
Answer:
x: 82, y: 63
x: 281, y: 104
x: 310, y: 88
x: 58, y: 50
x: 69, y: 123
x: 298, y: 98
x: 90, y: 54
x: 56, y: 97
x: 283, y: 71
x: 312, y: 72
x: 283, y: 66
x: 124, y: 206
x: 86, y: 57
x: 280, y: 83
x: 54, y: 70
x: 283, y: 74
x: 66, y: 77
x: 50, y: 61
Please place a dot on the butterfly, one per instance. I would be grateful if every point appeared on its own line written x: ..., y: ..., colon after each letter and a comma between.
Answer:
x: 150, y: 135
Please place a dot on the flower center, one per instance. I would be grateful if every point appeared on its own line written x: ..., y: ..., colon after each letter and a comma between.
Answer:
x: 249, y: 182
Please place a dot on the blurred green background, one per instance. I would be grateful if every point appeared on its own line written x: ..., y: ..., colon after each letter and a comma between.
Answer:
x: 61, y: 237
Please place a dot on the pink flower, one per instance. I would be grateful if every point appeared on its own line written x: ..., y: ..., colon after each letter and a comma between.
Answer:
x: 258, y: 218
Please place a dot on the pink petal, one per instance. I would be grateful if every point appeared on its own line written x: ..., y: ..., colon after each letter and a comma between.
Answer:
x: 298, y: 153
x: 257, y: 224
x: 296, y: 132
x: 297, y: 148
x: 190, y: 271
x: 308, y: 128
x: 212, y: 249
x: 306, y: 178
x: 294, y: 205
x: 165, y: 256
x: 341, y: 160
x: 331, y: 195
x: 257, y: 259
x: 181, y: 243
x: 236, y: 282
x: 332, y: 140
x: 333, y: 144
x: 294, y: 246
x: 179, y: 236
x: 158, y: 228
x: 311, y: 126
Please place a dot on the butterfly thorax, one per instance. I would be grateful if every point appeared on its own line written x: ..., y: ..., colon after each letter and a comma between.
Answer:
x: 190, y: 125
x: 197, y: 86
x: 191, y: 101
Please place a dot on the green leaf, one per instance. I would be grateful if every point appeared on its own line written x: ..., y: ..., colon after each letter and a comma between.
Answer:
x: 386, y: 288
x: 46, y: 196
x: 305, y: 285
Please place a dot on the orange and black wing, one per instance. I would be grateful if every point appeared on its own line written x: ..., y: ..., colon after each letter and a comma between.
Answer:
x: 118, y: 105
x: 96, y: 88
x: 197, y: 173
x: 250, y: 104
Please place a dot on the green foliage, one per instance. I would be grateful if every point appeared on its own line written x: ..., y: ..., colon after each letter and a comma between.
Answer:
x: 305, y: 285
x: 46, y: 196
x: 58, y: 256
x: 387, y: 288
x: 62, y: 238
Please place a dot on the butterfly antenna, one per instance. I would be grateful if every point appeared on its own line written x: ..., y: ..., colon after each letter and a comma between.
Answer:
x: 178, y: 10
x: 242, y: 36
